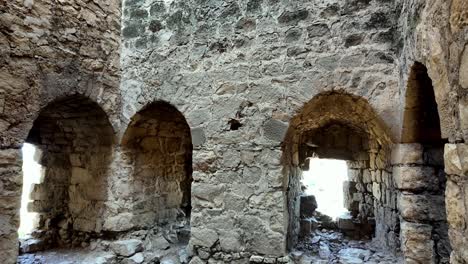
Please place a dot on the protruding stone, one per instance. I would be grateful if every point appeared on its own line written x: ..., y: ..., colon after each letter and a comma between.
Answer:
x: 256, y: 259
x: 275, y: 130
x: 456, y: 159
x: 418, y: 208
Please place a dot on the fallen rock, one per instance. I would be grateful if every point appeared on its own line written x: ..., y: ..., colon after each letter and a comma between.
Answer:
x: 127, y: 248
x: 324, y: 251
x: 354, y: 255
x: 32, y: 245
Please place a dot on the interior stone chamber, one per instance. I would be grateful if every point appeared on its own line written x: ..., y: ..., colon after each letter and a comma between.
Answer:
x: 196, y: 119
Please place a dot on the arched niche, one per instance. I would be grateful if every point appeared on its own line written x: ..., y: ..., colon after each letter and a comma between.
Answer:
x: 157, y: 145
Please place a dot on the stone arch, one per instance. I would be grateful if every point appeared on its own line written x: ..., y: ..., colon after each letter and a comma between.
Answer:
x: 157, y: 147
x: 421, y: 122
x: 75, y: 138
x: 343, y: 126
x: 419, y: 173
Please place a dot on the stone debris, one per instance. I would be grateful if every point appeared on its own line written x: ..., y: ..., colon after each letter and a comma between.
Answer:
x: 328, y: 246
x: 127, y: 248
x: 186, y: 126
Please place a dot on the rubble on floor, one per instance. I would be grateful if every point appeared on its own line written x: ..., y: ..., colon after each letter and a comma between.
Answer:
x: 165, y: 244
x: 328, y: 246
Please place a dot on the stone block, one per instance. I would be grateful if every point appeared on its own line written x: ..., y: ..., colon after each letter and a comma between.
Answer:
x: 127, y: 248
x: 230, y: 241
x: 366, y: 176
x: 407, y: 154
x: 376, y: 191
x: 346, y: 223
x: 464, y: 68
x: 456, y: 159
x: 256, y: 259
x: 85, y: 225
x: 120, y: 222
x: 32, y: 245
x: 417, y: 244
x: 10, y: 157
x: 415, y: 178
x: 463, y: 112
x: 455, y: 206
x: 354, y: 175
x: 308, y: 205
x: 424, y: 207
x: 203, y: 237
x: 275, y: 130
x: 349, y: 189
x: 198, y: 136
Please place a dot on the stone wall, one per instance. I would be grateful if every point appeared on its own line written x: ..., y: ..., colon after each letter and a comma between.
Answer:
x: 158, y: 149
x: 240, y: 73
x: 434, y: 34
x: 49, y: 49
x: 419, y: 176
x: 252, y: 63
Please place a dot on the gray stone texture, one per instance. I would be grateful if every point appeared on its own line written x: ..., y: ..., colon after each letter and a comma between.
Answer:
x: 318, y: 66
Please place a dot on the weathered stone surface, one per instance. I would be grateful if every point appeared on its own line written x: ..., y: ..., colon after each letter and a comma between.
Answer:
x: 120, y: 222
x: 127, y: 248
x: 456, y: 159
x: 415, y: 178
x: 464, y: 68
x: 407, y: 154
x: 417, y: 243
x: 245, y: 62
x: 275, y: 130
x: 421, y: 208
x: 203, y: 237
x: 456, y: 207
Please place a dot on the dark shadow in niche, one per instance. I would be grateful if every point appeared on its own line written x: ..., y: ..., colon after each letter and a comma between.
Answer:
x: 75, y: 138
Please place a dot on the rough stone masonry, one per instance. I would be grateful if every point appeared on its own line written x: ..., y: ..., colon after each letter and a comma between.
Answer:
x: 189, y: 122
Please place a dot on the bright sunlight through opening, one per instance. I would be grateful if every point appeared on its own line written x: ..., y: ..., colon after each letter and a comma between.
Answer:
x: 324, y: 180
x: 32, y: 174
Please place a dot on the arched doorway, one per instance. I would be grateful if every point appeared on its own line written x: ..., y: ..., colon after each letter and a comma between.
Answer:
x: 65, y: 165
x: 419, y: 174
x: 340, y: 126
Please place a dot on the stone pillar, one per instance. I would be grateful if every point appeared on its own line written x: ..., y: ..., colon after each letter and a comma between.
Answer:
x: 10, y: 202
x: 420, y: 202
x: 456, y: 167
